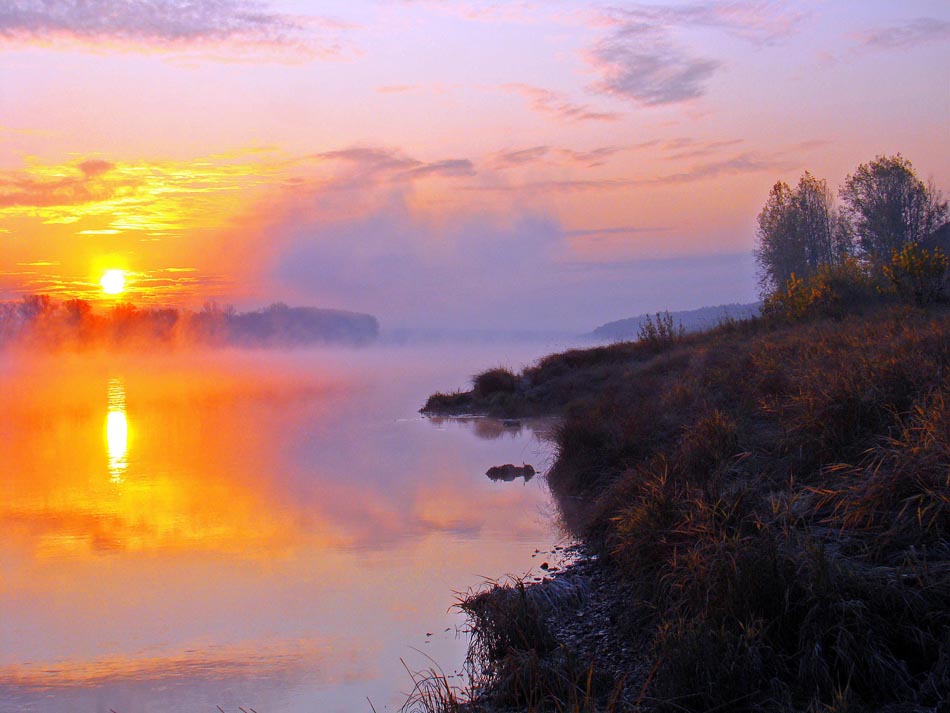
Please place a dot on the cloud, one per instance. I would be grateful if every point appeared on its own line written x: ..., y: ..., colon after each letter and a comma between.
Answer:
x: 689, y: 148
x: 592, y: 158
x: 762, y: 22
x: 546, y: 101
x: 160, y: 287
x: 520, y: 11
x: 437, y: 88
x: 149, y: 198
x: 811, y: 145
x: 95, y: 167
x: 371, y: 164
x: 371, y: 159
x: 167, y: 24
x: 521, y: 157
x: 449, y: 168
x: 164, y: 20
x: 639, y: 58
x: 640, y: 62
x: 737, y: 164
x: 336, y: 243
x: 86, y: 183
x: 908, y: 35
x: 597, y: 233
x: 535, y: 154
x: 397, y: 88
x: 405, y: 267
x: 686, y: 147
x: 747, y: 162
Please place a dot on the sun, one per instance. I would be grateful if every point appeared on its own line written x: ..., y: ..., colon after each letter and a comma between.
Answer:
x: 113, y: 282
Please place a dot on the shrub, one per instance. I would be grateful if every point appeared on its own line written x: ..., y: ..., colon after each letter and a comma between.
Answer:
x: 659, y: 331
x: 917, y: 274
x: 447, y: 403
x: 833, y: 291
x: 494, y: 381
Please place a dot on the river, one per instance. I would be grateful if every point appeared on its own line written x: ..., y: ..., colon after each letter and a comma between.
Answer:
x: 276, y: 531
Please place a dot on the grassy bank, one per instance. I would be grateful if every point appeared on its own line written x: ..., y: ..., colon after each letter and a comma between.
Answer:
x: 770, y: 502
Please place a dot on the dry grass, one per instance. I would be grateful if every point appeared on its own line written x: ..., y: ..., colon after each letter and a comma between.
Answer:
x: 515, y: 662
x: 784, y: 515
x: 499, y: 380
x: 775, y: 498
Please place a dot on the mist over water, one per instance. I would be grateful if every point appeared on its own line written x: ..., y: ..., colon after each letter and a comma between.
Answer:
x: 262, y: 529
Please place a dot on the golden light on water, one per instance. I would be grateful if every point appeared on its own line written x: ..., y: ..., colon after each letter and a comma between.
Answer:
x: 136, y: 480
x: 113, y: 282
x: 117, y: 431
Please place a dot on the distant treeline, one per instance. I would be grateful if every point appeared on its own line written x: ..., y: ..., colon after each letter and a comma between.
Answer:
x: 39, y: 321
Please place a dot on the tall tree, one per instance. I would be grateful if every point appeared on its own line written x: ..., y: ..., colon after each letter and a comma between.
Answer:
x: 799, y: 230
x: 889, y: 206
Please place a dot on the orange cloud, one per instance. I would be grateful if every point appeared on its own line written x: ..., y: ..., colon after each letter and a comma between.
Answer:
x: 149, y: 196
x: 87, y: 182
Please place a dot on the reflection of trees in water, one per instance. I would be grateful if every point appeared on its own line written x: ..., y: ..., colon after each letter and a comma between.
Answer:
x: 492, y: 429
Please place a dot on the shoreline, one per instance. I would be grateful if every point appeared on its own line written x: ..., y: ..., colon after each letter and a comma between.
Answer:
x: 590, y: 632
x: 741, y: 502
x: 576, y: 604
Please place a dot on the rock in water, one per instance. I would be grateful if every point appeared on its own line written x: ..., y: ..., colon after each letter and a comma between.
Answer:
x: 509, y: 472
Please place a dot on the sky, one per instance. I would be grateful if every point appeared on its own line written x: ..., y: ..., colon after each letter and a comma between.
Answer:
x: 471, y: 165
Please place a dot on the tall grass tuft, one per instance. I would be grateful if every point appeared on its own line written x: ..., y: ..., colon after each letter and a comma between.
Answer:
x: 495, y: 381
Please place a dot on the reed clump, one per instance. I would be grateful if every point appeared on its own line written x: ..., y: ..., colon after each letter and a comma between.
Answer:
x: 499, y: 380
x: 515, y: 660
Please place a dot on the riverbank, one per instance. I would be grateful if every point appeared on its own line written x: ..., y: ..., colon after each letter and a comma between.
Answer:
x: 768, y: 508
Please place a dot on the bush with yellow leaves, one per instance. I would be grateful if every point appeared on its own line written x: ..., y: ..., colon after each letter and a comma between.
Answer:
x: 918, y: 274
x: 832, y: 291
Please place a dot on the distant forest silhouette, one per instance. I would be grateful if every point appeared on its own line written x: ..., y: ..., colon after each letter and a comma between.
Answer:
x: 40, y: 321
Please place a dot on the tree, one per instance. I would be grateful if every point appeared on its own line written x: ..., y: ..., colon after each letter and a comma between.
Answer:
x: 890, y: 207
x: 799, y: 230
x: 76, y: 310
x: 32, y: 307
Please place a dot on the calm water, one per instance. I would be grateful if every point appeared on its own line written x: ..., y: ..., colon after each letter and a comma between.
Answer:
x: 259, y: 530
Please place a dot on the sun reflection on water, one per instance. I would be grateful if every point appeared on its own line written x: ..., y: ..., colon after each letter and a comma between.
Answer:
x: 133, y: 545
x: 117, y: 431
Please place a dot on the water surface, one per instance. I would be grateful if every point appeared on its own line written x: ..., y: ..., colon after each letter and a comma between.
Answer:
x: 272, y: 531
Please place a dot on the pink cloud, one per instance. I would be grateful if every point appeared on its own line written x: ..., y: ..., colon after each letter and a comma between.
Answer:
x: 546, y: 101
x: 640, y: 59
x: 907, y: 35
x: 169, y: 25
x: 370, y: 163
